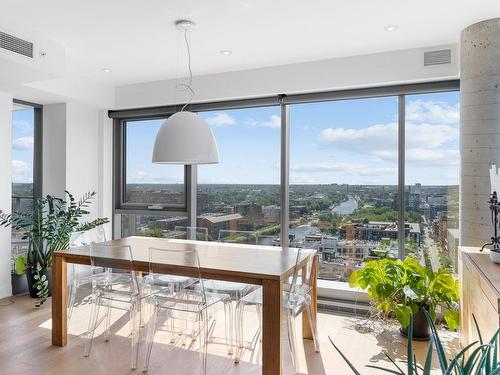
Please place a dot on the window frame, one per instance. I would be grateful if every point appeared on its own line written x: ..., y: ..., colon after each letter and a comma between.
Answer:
x: 284, y: 101
x: 120, y: 175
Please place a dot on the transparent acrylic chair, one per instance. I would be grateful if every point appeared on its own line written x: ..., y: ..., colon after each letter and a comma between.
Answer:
x: 233, y: 289
x: 117, y: 287
x: 78, y: 275
x: 176, y: 282
x: 195, y: 305
x: 296, y: 298
x: 184, y: 233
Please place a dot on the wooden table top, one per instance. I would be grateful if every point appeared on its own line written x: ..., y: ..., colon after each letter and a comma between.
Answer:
x: 225, y: 261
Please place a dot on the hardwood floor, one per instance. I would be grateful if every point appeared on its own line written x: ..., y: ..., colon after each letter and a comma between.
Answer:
x: 25, y: 346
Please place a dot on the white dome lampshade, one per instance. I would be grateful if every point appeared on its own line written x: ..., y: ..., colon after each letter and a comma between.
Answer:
x: 185, y: 138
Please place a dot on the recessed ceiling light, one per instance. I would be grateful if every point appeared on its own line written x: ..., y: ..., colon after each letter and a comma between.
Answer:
x: 225, y: 52
x: 391, y: 28
x: 106, y: 70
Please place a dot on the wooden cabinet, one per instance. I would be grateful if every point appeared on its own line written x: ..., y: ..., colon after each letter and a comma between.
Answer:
x: 479, y: 294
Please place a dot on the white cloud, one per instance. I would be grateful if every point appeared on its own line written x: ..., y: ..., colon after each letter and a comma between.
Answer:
x: 23, y: 144
x: 22, y: 126
x: 21, y: 171
x: 220, y: 119
x: 274, y: 122
x: 19, y: 167
x: 424, y: 142
x: 432, y: 112
x: 353, y: 169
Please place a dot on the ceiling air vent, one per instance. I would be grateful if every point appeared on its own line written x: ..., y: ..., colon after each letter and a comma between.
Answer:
x: 438, y: 57
x: 16, y: 45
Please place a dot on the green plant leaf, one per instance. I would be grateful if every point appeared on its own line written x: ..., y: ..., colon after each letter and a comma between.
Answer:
x: 351, y: 366
x: 408, y: 291
x: 403, y: 314
x: 452, y: 318
x: 20, y: 263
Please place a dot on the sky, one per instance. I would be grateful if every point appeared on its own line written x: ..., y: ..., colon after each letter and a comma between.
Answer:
x: 353, y: 142
x: 22, y: 146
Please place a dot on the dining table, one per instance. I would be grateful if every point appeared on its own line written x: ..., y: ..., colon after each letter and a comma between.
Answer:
x: 267, y: 266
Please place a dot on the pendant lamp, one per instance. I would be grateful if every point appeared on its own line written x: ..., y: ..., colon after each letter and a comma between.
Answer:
x: 185, y: 138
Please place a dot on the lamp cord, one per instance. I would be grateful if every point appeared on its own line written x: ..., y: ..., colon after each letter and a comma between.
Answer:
x: 188, y: 85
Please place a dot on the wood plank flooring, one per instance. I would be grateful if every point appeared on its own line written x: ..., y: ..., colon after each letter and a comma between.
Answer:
x: 25, y: 346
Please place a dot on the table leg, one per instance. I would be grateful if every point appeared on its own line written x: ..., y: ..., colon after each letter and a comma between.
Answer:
x: 306, y: 327
x: 272, y: 356
x: 59, y: 301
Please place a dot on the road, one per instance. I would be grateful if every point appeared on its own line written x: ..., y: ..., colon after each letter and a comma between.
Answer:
x: 433, y: 249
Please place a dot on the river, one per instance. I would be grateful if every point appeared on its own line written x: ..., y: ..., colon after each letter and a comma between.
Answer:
x: 347, y: 207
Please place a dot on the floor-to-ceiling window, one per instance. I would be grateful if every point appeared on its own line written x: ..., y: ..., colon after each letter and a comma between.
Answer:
x: 242, y: 193
x: 432, y: 163
x: 344, y: 181
x: 373, y: 173
x: 26, y: 163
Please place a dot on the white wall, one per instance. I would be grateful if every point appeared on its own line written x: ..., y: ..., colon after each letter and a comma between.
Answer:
x: 379, y: 69
x: 82, y: 152
x: 5, y: 189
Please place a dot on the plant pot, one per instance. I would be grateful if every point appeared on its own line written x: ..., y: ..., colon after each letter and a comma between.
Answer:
x: 421, y: 328
x: 30, y: 275
x: 495, y: 256
x: 19, y: 284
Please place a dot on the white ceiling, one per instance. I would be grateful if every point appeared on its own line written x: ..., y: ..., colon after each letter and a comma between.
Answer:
x: 137, y: 39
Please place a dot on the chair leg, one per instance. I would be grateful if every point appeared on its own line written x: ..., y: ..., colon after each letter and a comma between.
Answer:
x: 94, y: 315
x: 203, y: 341
x: 134, y: 328
x: 228, y: 311
x: 72, y: 295
x: 314, y: 328
x: 108, y: 322
x: 291, y: 338
x: 238, y: 324
x: 151, y: 329
x: 259, y: 316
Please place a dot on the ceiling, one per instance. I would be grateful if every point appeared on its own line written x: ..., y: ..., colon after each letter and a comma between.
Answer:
x: 137, y: 40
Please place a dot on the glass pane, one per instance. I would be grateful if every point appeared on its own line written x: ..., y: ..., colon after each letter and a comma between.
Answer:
x: 242, y: 193
x: 148, y: 183
x: 151, y: 226
x: 23, y: 122
x: 432, y: 177
x: 343, y: 182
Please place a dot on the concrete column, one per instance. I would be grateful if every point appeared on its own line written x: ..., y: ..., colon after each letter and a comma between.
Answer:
x: 479, y: 127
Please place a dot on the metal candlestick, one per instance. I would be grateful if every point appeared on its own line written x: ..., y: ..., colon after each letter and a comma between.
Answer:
x: 494, y: 208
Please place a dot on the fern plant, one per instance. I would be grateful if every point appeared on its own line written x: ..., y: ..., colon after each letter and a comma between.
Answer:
x: 477, y: 358
x: 47, y: 229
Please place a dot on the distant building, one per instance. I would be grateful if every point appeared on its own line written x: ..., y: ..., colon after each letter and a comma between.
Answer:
x: 214, y: 224
x: 331, y: 249
x: 453, y: 236
x: 377, y: 230
x: 271, y: 214
x: 170, y: 223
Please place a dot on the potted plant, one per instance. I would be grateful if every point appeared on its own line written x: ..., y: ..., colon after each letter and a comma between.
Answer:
x: 47, y: 228
x: 18, y: 278
x: 408, y: 289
